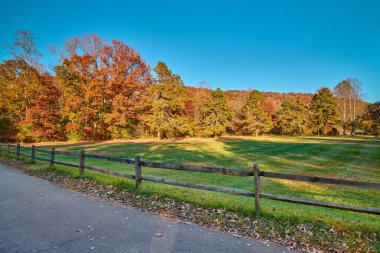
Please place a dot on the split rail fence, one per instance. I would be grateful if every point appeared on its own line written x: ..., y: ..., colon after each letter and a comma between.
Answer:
x: 255, y: 172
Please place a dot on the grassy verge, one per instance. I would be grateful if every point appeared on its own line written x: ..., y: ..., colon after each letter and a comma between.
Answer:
x: 291, y: 233
x: 348, y: 158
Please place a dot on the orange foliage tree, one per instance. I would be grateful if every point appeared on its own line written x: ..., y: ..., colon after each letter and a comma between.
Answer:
x: 104, y: 89
x: 29, y: 102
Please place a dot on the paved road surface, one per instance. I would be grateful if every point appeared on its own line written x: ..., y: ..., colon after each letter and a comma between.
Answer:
x: 37, y: 216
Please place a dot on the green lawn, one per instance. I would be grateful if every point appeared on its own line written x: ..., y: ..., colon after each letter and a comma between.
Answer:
x: 355, y: 158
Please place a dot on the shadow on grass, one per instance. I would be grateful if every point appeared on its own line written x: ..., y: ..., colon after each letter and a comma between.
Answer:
x: 340, y: 157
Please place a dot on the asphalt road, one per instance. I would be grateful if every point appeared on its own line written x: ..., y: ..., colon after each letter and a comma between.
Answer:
x: 37, y: 216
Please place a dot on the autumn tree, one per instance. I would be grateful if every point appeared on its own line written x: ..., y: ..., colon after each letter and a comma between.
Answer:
x: 24, y: 48
x: 128, y: 77
x: 42, y: 120
x: 348, y: 94
x: 104, y: 89
x: 293, y: 118
x: 216, y: 113
x: 29, y: 96
x: 29, y: 102
x: 253, y: 119
x: 200, y: 94
x: 236, y: 99
x: 167, y: 117
x: 78, y: 115
x: 323, y: 110
x: 371, y: 119
x: 18, y: 81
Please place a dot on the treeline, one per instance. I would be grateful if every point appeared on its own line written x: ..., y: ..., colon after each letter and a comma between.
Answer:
x: 103, y: 90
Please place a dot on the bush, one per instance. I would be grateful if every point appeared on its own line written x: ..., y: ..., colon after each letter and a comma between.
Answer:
x: 74, y: 136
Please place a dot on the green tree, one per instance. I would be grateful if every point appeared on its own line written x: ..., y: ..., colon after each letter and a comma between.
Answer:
x: 324, y: 110
x: 217, y: 115
x: 293, y: 118
x: 253, y: 118
x: 167, y: 117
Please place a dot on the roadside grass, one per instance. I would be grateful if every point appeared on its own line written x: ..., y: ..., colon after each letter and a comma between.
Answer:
x: 355, y: 158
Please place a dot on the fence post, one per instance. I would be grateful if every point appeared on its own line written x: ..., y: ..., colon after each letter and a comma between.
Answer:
x: 52, y: 155
x: 81, y: 162
x: 138, y: 171
x: 18, y: 150
x: 9, y: 148
x: 256, y: 178
x: 33, y: 156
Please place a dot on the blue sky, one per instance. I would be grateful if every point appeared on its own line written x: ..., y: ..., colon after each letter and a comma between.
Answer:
x: 281, y: 46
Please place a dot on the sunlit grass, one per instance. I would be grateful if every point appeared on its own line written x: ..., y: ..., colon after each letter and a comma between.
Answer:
x: 355, y: 158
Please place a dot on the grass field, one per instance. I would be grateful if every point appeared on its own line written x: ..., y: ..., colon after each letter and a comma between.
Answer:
x: 356, y: 158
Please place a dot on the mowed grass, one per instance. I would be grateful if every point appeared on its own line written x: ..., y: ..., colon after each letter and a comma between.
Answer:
x: 354, y: 158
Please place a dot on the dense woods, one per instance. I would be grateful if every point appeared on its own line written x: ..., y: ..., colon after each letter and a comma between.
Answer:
x: 100, y: 90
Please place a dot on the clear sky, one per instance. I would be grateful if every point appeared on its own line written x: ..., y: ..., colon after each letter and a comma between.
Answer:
x: 282, y: 46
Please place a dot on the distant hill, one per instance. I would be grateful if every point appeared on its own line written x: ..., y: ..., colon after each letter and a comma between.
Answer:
x: 236, y: 99
x: 274, y: 100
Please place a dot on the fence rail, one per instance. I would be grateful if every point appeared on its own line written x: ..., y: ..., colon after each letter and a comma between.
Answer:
x: 193, y: 168
x: 111, y: 159
x: 323, y: 180
x: 42, y: 150
x: 255, y: 172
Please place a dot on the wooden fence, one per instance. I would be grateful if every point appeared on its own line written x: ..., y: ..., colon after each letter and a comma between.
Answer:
x: 255, y: 172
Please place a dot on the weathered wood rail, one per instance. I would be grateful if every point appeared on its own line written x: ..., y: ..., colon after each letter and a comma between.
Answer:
x: 255, y: 172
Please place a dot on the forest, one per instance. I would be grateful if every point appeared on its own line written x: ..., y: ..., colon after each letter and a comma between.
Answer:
x: 100, y: 90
